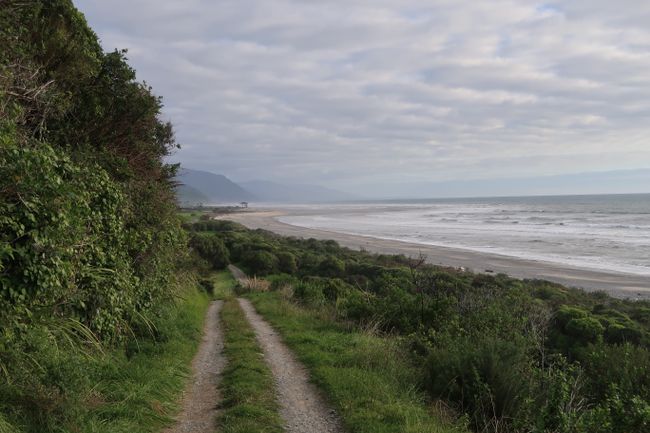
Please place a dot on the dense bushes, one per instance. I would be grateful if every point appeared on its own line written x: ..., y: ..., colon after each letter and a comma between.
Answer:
x: 89, y: 236
x: 211, y: 249
x: 509, y: 355
x: 287, y: 262
x: 487, y: 379
x: 65, y: 243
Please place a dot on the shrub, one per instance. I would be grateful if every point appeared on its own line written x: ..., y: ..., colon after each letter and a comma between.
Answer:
x: 287, y: 262
x: 260, y: 262
x: 331, y: 267
x: 623, y: 366
x: 89, y: 234
x: 355, y: 305
x: 63, y: 238
x: 617, y: 334
x: 488, y: 379
x: 309, y: 293
x: 308, y: 262
x: 212, y: 249
x: 585, y: 329
x: 334, y: 288
x: 566, y: 313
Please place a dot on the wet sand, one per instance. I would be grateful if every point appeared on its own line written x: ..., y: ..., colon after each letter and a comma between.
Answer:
x: 616, y: 284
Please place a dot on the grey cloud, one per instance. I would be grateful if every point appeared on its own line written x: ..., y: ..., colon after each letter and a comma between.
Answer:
x: 352, y: 92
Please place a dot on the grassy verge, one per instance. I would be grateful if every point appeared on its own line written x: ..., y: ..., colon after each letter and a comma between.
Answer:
x: 132, y: 389
x: 366, y: 377
x: 140, y: 391
x: 249, y: 404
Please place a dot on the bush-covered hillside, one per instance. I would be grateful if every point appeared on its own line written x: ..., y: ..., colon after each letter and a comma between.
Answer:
x: 89, y: 235
x: 510, y: 355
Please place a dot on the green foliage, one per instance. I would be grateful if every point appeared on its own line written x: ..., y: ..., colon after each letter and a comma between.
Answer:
x: 567, y: 313
x: 280, y: 281
x: 64, y: 243
x: 331, y: 267
x: 89, y: 234
x: 487, y: 379
x: 309, y: 293
x: 211, y: 249
x: 260, y: 262
x: 287, y: 262
x: 217, y: 226
x: 585, y: 329
x: 618, y: 334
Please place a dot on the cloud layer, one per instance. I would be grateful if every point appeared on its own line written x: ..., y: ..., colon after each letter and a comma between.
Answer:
x: 348, y: 93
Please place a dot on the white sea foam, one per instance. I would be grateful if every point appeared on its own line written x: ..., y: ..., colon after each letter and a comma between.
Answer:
x: 595, y: 232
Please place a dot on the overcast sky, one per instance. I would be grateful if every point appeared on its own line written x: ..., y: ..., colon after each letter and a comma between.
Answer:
x: 351, y: 93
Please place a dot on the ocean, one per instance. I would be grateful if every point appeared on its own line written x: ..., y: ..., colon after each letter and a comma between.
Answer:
x: 602, y: 232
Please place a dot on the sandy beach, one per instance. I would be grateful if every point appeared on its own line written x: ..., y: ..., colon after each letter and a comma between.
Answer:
x: 617, y: 284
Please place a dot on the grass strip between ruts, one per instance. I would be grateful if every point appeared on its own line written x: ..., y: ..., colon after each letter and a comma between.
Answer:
x: 249, y: 402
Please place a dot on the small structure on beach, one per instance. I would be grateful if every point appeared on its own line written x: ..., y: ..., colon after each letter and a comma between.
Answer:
x: 244, y: 204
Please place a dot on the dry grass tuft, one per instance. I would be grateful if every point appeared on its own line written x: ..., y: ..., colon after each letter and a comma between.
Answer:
x: 254, y: 285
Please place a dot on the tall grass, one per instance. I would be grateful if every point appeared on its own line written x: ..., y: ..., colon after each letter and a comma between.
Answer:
x: 131, y: 388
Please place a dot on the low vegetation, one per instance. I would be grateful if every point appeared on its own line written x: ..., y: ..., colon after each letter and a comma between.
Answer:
x: 500, y: 354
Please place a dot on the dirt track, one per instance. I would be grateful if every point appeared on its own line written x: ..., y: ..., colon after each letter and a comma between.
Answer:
x: 302, y: 407
x: 200, y: 399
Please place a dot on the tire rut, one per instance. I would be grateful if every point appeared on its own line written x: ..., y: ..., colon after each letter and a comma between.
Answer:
x: 302, y: 407
x: 201, y: 397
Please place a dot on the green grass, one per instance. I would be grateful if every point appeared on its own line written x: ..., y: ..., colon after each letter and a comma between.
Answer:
x: 247, y: 386
x: 140, y: 393
x: 223, y: 284
x: 125, y: 390
x: 366, y: 377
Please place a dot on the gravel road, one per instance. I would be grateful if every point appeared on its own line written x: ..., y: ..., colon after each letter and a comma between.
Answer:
x: 201, y: 397
x: 301, y: 405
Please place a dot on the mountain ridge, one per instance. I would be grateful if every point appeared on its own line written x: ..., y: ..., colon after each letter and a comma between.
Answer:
x: 204, y: 187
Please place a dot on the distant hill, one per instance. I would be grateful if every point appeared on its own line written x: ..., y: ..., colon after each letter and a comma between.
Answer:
x: 187, y: 195
x: 204, y: 187
x: 276, y: 192
x: 196, y: 186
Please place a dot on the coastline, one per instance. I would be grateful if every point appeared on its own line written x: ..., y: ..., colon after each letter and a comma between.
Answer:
x: 619, y: 285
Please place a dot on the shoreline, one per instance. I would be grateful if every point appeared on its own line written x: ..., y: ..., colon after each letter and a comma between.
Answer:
x: 619, y: 285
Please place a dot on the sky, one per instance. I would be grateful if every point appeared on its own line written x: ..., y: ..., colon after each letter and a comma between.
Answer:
x: 362, y: 95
